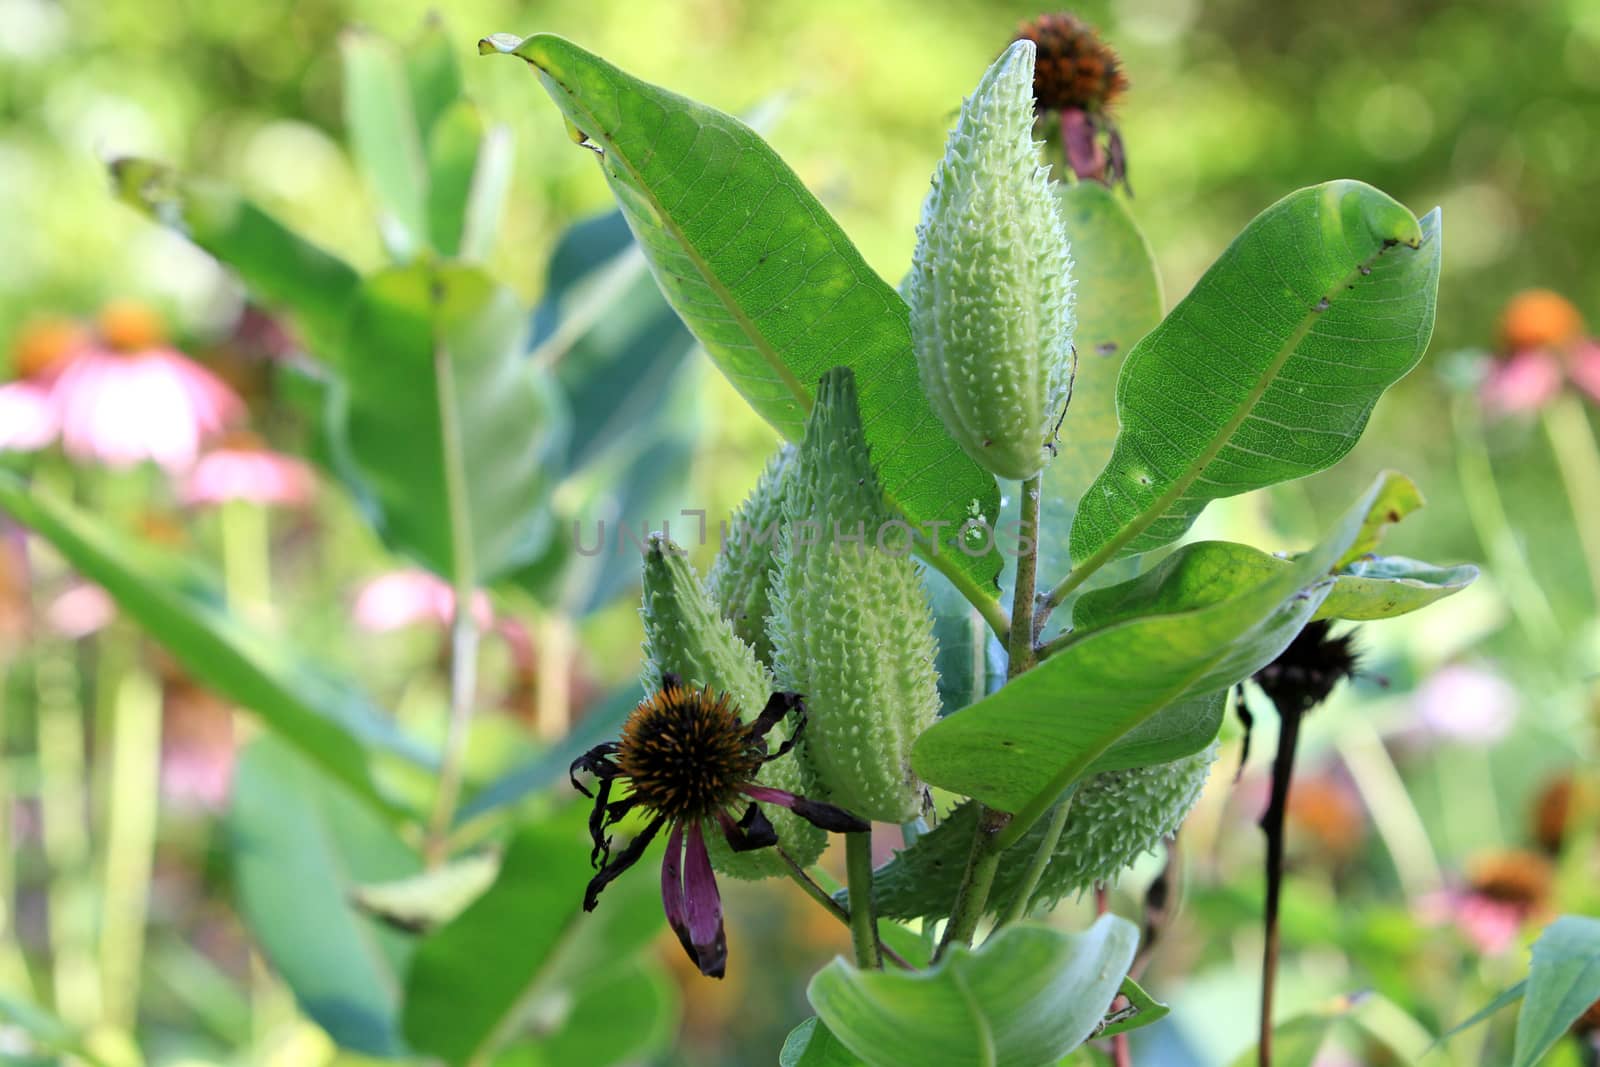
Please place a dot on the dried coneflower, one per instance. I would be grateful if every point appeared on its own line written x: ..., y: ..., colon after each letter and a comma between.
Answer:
x: 1076, y: 78
x: 687, y: 759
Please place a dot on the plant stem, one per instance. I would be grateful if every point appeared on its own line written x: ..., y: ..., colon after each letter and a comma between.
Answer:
x: 1272, y: 820
x: 246, y: 558
x: 1578, y: 459
x: 798, y: 875
x: 463, y: 627
x: 13, y: 968
x: 1394, y: 815
x: 1020, y: 641
x: 858, y: 876
x: 1041, y: 859
x: 130, y: 843
x: 972, y: 897
x: 1487, y: 511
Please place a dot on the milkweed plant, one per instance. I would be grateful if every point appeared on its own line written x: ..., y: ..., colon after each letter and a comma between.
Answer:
x: 957, y: 612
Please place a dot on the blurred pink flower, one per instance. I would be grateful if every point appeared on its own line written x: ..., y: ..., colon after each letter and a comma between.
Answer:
x: 407, y: 597
x: 197, y: 748
x: 1491, y: 926
x: 27, y: 418
x: 257, y: 475
x: 1523, y: 382
x: 120, y: 408
x: 80, y: 610
x: 1504, y: 892
x: 1584, y: 367
x: 1465, y: 703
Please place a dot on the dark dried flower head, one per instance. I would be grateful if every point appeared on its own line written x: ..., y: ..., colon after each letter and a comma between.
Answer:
x: 1305, y: 673
x: 686, y: 753
x: 686, y: 758
x: 1074, y: 69
x: 1523, y: 880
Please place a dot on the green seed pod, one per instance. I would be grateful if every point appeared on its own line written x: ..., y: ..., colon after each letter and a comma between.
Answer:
x: 684, y: 635
x: 1116, y: 817
x: 742, y: 572
x: 990, y: 287
x: 850, y: 620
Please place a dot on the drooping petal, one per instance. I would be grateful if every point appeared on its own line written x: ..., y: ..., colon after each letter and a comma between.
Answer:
x: 828, y: 816
x: 704, y: 907
x: 1084, y: 154
x: 672, y: 891
x: 777, y: 707
x: 619, y: 863
x: 752, y: 832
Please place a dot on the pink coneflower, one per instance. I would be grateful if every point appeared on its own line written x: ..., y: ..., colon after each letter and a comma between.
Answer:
x: 404, y: 598
x: 1465, y: 703
x: 1524, y: 382
x: 244, y: 470
x: 81, y: 609
x: 27, y: 418
x: 129, y: 397
x: 1584, y: 368
x: 1504, y: 892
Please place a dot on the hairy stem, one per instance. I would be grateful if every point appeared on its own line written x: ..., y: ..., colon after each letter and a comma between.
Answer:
x: 972, y: 896
x: 858, y: 876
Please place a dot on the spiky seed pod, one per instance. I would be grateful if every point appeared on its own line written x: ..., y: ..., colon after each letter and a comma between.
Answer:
x: 685, y: 635
x: 1074, y: 68
x: 991, y: 281
x: 742, y: 572
x: 1116, y: 817
x: 850, y: 622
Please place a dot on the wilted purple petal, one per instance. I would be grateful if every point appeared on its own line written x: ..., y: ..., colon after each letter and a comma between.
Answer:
x: 672, y: 891
x: 827, y: 816
x: 749, y: 833
x: 704, y: 907
x: 1084, y: 154
x: 620, y: 862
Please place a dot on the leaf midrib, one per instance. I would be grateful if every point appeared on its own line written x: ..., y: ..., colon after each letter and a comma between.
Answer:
x: 1157, y: 508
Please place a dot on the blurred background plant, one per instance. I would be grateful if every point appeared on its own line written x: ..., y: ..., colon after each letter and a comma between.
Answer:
x: 147, y: 826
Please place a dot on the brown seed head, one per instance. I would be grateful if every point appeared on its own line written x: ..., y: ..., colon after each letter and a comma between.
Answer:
x: 1521, y: 879
x: 1073, y: 68
x: 687, y: 752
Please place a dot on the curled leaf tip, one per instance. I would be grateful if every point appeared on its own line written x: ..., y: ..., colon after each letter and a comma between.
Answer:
x: 503, y: 43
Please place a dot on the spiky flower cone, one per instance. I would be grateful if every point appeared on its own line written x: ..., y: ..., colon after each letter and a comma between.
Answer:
x: 741, y: 574
x: 850, y: 621
x: 991, y: 282
x: 685, y: 635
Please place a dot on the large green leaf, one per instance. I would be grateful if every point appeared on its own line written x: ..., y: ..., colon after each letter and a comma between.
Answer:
x: 622, y: 1015
x: 182, y: 607
x: 611, y: 336
x: 1026, y: 998
x: 1562, y: 983
x: 767, y: 281
x: 381, y: 120
x: 1269, y: 368
x: 1376, y: 587
x: 526, y: 938
x: 1118, y: 301
x: 811, y: 1044
x: 280, y: 268
x: 1019, y: 749
x: 299, y: 849
x: 447, y: 423
x: 469, y: 172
